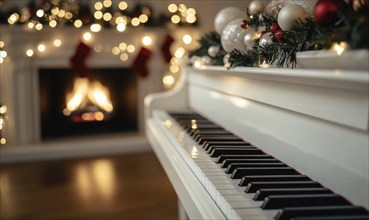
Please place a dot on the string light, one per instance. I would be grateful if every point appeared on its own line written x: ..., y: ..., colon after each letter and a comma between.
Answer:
x: 2, y: 44
x: 41, y: 48
x: 143, y: 18
x: 147, y: 40
x: 187, y: 39
x: 168, y: 81
x: 39, y: 26
x: 95, y: 27
x: 98, y: 15
x: 13, y: 18
x: 107, y: 3
x: 52, y: 23
x: 135, y: 21
x: 77, y: 23
x: 98, y: 5
x: 175, y: 19
x: 124, y: 57
x: 123, y: 46
x: 115, y: 50
x: 121, y: 27
x: 131, y: 48
x: 57, y: 43
x: 339, y: 47
x: 40, y: 13
x: 107, y: 16
x: 123, y: 5
x: 172, y: 8
x: 3, y: 117
x: 29, y: 53
x: 180, y: 52
x: 87, y: 36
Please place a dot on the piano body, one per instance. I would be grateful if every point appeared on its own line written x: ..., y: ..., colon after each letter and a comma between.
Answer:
x: 315, y: 121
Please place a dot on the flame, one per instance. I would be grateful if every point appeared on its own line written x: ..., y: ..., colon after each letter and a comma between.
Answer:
x: 84, y: 91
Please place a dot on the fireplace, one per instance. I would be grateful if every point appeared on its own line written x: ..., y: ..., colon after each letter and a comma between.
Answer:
x: 56, y: 85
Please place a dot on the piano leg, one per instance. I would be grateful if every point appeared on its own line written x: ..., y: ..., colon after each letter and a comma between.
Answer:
x: 182, y: 215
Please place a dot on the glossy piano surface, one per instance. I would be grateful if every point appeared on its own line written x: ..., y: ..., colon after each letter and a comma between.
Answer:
x: 315, y: 121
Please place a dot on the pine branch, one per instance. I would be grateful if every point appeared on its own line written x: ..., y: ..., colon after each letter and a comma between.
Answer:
x: 239, y: 58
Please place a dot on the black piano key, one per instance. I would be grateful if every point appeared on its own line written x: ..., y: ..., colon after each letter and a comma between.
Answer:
x: 274, y: 178
x: 212, y: 148
x: 195, y: 133
x: 293, y: 212
x: 261, y: 194
x: 223, y: 151
x: 348, y: 217
x: 225, y: 143
x: 229, y: 161
x: 189, y: 127
x: 238, y: 173
x: 278, y: 202
x: 197, y: 136
x: 203, y: 139
x: 222, y: 158
x: 231, y: 167
x: 255, y: 186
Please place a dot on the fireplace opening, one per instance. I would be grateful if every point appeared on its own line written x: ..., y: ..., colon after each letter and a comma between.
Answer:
x: 104, y: 102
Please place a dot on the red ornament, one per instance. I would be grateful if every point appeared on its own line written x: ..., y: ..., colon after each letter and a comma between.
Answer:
x: 279, y: 34
x: 244, y: 24
x: 325, y: 12
x: 274, y: 28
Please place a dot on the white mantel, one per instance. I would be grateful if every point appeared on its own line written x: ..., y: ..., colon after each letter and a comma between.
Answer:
x: 19, y: 73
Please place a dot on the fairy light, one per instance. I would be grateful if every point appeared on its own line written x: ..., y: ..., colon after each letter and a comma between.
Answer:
x: 13, y: 18
x: 87, y: 36
x: 30, y: 25
x: 77, y: 23
x: 61, y: 13
x: 131, y: 48
x: 53, y: 23
x: 55, y: 11
x: 191, y: 19
x: 3, y: 54
x: 174, y: 68
x: 41, y: 48
x: 179, y: 52
x: 3, y: 141
x: 29, y: 53
x: 121, y: 27
x: 98, y: 48
x: 143, y: 18
x: 147, y: 40
x: 68, y: 15
x: 98, y: 6
x: 3, y: 117
x: 98, y: 14
x: 123, y: 57
x: 115, y: 50
x: 168, y: 81
x: 175, y: 19
x: 107, y: 16
x: 123, y: 46
x: 123, y: 5
x: 187, y: 39
x: 95, y: 27
x: 107, y: 3
x: 121, y: 20
x: 39, y: 26
x: 2, y: 44
x: 172, y: 8
x: 339, y: 47
x: 182, y: 7
x: 57, y: 42
x: 191, y: 11
x: 135, y: 21
x: 40, y: 13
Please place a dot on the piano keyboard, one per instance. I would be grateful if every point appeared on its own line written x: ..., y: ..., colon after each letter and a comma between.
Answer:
x: 247, y: 183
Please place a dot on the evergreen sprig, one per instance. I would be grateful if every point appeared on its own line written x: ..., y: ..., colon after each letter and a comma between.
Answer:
x: 238, y: 58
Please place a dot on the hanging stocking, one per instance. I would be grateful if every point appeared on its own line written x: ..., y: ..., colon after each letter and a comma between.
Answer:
x: 78, y: 60
x: 165, y: 48
x: 139, y: 65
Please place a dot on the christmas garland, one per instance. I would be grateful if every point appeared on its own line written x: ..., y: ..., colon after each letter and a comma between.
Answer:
x: 334, y: 21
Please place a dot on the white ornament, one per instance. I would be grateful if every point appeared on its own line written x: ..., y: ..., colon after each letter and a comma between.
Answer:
x: 289, y: 14
x: 266, y: 39
x: 308, y: 5
x: 194, y: 59
x: 225, y: 16
x: 256, y: 7
x: 213, y: 51
x: 249, y: 38
x: 206, y: 60
x: 232, y: 37
x: 226, y: 60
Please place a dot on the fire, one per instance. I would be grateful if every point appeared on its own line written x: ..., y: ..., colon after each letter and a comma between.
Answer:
x: 85, y: 91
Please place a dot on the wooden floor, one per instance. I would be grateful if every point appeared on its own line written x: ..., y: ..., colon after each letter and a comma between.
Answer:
x: 119, y: 187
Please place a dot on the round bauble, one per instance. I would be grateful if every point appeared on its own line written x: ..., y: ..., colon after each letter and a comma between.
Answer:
x: 325, y: 12
x: 273, y: 8
x: 308, y: 5
x: 232, y: 37
x: 213, y: 51
x: 225, y: 16
x: 289, y: 14
x: 279, y: 34
x: 249, y: 38
x: 266, y: 39
x: 226, y: 60
x: 206, y: 60
x: 256, y: 7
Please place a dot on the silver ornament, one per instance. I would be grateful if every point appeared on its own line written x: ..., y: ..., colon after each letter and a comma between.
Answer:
x: 256, y: 7
x: 266, y: 39
x: 226, y: 60
x: 273, y: 8
x: 249, y: 38
x: 213, y: 51
x: 289, y: 14
x: 225, y: 16
x: 232, y: 37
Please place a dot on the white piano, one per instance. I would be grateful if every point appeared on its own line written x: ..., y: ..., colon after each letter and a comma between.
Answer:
x: 315, y: 121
